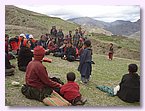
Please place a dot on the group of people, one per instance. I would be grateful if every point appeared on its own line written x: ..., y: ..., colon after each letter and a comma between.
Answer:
x: 67, y: 47
x: 38, y: 83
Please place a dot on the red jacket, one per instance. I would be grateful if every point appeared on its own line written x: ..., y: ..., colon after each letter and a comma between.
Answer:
x: 37, y: 76
x: 70, y: 90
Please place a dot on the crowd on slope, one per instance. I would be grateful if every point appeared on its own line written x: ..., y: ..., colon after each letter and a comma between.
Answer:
x: 71, y: 47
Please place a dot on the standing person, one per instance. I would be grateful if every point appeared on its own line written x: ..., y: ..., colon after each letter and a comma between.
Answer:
x: 53, y: 33
x: 80, y: 31
x: 69, y: 36
x: 59, y: 37
x: 76, y: 38
x: 38, y: 84
x: 25, y: 55
x: 70, y: 91
x: 85, y: 66
x: 111, y: 52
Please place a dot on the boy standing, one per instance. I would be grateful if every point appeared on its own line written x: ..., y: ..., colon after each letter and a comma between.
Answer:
x: 70, y: 91
x: 85, y: 66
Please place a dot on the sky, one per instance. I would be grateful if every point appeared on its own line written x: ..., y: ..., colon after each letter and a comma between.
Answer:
x: 97, y: 12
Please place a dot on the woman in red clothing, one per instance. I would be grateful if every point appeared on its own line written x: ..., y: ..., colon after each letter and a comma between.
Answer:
x: 38, y: 84
x: 70, y: 91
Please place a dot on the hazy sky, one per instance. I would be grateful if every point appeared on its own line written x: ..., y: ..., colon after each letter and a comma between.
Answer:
x: 103, y: 13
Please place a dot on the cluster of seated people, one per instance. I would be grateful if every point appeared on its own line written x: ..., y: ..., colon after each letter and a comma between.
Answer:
x: 67, y: 47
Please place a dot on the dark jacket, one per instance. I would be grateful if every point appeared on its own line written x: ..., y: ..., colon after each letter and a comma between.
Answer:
x: 53, y: 32
x: 129, y: 88
x: 42, y: 43
x: 24, y: 57
x: 85, y: 66
x: 70, y: 51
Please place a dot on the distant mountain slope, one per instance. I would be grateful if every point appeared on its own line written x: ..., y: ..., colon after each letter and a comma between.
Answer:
x: 19, y: 20
x: 118, y: 27
x: 136, y: 35
x: 91, y: 25
x: 121, y: 27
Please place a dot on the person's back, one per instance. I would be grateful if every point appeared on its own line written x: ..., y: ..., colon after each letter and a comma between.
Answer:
x: 130, y: 86
x: 70, y: 90
x: 38, y: 84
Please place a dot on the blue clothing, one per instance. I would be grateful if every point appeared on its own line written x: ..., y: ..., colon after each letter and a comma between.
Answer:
x: 85, y: 66
x: 27, y: 36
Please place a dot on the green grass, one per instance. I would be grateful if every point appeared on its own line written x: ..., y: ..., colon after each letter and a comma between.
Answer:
x: 120, y: 41
x: 104, y: 72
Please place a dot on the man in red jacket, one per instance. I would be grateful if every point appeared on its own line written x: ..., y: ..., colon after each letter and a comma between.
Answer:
x: 38, y: 84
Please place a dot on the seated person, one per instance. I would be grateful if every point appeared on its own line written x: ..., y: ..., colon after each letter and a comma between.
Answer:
x: 9, y: 69
x: 129, y: 87
x: 42, y: 42
x: 32, y: 42
x: 38, y: 84
x: 25, y: 55
x: 70, y: 91
x: 52, y: 47
x: 70, y: 53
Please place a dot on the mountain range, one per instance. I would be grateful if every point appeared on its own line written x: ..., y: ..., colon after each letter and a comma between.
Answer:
x: 118, y: 27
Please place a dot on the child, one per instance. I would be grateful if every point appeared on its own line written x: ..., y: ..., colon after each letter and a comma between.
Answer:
x: 111, y: 52
x: 70, y: 91
x: 85, y: 66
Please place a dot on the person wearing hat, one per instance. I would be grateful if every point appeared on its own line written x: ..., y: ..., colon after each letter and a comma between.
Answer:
x: 24, y: 56
x: 21, y: 38
x: 32, y: 42
x: 38, y: 84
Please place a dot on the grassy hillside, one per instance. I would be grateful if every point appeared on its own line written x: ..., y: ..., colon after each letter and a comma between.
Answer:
x: 104, y: 72
x: 24, y: 21
x: 123, y: 47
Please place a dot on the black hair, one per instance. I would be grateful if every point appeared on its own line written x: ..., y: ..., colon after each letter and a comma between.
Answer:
x: 71, y: 76
x: 111, y: 44
x: 6, y: 35
x: 87, y: 43
x: 132, y: 68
